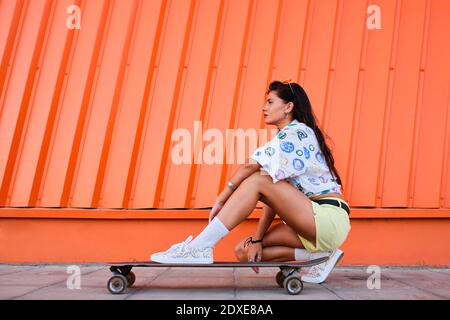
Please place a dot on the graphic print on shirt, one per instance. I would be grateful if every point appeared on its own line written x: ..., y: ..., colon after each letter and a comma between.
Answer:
x: 284, y: 162
x: 319, y: 157
x: 270, y: 151
x: 307, y: 153
x: 298, y: 164
x: 302, y: 135
x: 294, y: 155
x: 297, y: 184
x: 287, y: 147
x: 314, y: 168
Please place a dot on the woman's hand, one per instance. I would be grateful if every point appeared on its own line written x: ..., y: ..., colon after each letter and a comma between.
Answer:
x: 255, y: 254
x: 215, y: 210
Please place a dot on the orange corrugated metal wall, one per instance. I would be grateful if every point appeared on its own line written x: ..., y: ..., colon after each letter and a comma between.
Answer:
x: 86, y: 115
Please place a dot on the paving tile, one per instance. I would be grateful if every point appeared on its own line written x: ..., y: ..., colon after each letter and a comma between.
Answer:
x: 60, y: 292
x: 440, y: 270
x: 148, y: 292
x: 9, y: 269
x: 198, y: 272
x: 309, y: 292
x: 352, y: 284
x: 28, y: 278
x: 10, y: 292
x: 193, y: 282
x: 428, y: 281
x: 262, y: 271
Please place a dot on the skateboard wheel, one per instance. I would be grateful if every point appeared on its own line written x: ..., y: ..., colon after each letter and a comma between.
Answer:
x: 117, y: 284
x: 293, y: 285
x: 131, y: 278
x: 280, y: 279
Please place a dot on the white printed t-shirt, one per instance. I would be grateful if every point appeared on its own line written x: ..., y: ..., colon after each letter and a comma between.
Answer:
x: 294, y: 155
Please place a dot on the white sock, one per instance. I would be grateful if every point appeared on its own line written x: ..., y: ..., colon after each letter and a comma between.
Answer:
x: 212, y: 234
x: 302, y: 254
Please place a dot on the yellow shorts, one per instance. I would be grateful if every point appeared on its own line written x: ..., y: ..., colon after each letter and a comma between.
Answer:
x: 332, y: 227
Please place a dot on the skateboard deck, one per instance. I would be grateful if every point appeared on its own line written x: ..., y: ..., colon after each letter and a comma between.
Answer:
x: 288, y: 277
x: 223, y: 264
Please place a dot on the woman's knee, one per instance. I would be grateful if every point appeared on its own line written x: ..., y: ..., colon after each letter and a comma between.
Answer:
x: 256, y: 179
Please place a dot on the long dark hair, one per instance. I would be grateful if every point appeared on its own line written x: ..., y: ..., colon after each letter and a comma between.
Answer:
x: 303, y: 113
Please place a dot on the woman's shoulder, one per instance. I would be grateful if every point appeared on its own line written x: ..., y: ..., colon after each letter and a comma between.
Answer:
x: 298, y: 129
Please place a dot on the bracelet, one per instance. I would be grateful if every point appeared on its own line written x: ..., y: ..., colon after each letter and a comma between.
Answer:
x: 231, y: 185
x: 250, y: 240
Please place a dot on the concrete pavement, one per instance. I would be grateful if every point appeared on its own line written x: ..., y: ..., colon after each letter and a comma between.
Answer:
x: 36, y: 282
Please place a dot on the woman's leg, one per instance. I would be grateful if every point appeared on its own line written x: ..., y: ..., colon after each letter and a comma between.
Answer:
x: 278, y: 244
x: 289, y: 203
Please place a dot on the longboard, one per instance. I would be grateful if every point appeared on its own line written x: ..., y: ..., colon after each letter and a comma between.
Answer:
x: 288, y: 276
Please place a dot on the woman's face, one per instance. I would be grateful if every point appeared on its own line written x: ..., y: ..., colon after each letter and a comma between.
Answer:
x: 275, y: 109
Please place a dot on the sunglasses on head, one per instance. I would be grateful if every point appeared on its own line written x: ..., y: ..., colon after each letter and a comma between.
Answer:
x: 290, y: 87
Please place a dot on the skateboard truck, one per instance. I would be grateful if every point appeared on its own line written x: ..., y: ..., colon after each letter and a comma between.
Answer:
x: 122, y: 279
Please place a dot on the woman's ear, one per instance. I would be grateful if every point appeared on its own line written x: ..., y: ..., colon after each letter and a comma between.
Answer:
x: 290, y: 107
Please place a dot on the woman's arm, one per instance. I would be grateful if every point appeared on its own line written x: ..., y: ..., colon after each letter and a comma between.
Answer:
x: 242, y: 173
x: 255, y: 250
x: 264, y: 223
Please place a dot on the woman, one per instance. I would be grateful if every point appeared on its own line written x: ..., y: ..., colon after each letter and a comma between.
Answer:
x: 294, y: 176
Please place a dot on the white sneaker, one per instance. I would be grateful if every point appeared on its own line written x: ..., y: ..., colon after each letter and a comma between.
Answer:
x: 175, y: 246
x: 182, y: 253
x: 319, y: 273
x: 318, y: 255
